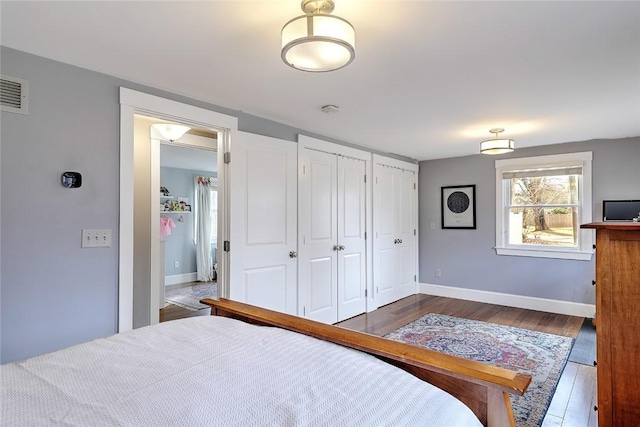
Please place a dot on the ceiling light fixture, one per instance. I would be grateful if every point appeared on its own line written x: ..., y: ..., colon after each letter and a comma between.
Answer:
x: 497, y: 146
x: 170, y: 131
x: 318, y: 41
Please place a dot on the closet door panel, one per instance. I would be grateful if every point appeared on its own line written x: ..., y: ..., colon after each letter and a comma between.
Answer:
x: 322, y: 199
x: 385, y: 203
x: 321, y: 305
x: 266, y: 196
x: 384, y: 262
x: 317, y: 212
x: 351, y: 279
x: 406, y: 274
x: 263, y: 296
x: 351, y: 194
x: 403, y: 191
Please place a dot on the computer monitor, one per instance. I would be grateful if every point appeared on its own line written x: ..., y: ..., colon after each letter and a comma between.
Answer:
x: 620, y: 210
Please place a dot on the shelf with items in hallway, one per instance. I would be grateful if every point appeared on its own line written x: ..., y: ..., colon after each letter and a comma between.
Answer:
x: 172, y: 204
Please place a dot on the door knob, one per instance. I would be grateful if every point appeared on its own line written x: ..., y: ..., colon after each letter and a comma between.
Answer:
x: 336, y: 247
x: 395, y: 241
x: 341, y: 248
x: 399, y: 240
x: 293, y: 254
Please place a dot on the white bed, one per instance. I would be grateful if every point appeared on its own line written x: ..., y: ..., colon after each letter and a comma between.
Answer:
x: 219, y: 371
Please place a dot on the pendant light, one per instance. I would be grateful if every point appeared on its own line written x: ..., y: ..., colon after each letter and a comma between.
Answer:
x: 170, y: 131
x: 318, y: 41
x: 496, y: 145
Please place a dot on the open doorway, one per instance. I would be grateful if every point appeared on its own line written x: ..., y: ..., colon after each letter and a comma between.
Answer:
x: 139, y: 266
x: 180, y: 252
x: 188, y: 225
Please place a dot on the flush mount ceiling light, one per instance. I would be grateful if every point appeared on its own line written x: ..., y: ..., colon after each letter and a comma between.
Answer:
x: 170, y: 131
x: 318, y: 41
x: 497, y: 146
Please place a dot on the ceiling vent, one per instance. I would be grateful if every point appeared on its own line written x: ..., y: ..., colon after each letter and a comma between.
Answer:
x: 14, y: 94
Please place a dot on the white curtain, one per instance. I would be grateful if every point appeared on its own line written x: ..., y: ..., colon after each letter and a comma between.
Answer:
x: 204, y: 261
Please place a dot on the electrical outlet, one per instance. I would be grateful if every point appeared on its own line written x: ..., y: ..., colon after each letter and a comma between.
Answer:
x: 96, y: 238
x: 438, y: 272
x: 176, y: 264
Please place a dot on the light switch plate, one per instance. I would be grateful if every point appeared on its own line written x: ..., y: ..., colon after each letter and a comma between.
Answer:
x: 96, y: 238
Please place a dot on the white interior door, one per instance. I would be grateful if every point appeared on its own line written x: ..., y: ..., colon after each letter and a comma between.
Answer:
x: 395, y: 232
x: 317, y: 208
x: 405, y: 233
x: 352, y: 280
x: 263, y: 222
x: 384, y: 262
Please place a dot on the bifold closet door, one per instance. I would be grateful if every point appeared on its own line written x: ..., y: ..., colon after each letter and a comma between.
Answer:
x: 332, y: 261
x: 395, y: 204
x: 351, y: 240
x: 263, y: 203
x: 318, y: 235
x: 385, y: 240
x: 405, y: 201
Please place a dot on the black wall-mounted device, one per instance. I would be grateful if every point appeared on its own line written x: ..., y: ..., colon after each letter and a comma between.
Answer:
x: 71, y: 179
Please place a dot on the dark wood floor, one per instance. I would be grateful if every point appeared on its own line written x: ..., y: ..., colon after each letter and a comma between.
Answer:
x: 574, y: 399
x: 173, y: 312
x: 392, y: 316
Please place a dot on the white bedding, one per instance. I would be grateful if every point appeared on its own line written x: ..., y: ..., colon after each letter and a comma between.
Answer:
x: 218, y: 371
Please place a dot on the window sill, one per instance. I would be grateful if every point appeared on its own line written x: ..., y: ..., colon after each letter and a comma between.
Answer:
x: 540, y: 253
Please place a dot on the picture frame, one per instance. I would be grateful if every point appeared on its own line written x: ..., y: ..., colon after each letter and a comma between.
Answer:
x: 458, y: 207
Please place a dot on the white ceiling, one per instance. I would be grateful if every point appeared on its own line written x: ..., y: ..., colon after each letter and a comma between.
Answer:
x: 429, y: 79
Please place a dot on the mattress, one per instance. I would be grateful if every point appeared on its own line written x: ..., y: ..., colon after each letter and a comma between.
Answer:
x: 218, y: 371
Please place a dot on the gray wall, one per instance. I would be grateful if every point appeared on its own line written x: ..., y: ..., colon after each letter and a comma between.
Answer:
x: 467, y: 258
x: 53, y: 293
x: 179, y: 244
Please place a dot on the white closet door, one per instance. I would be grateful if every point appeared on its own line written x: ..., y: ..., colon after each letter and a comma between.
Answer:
x: 395, y: 229
x: 351, y: 240
x: 263, y: 200
x: 405, y: 248
x: 384, y: 217
x: 317, y: 207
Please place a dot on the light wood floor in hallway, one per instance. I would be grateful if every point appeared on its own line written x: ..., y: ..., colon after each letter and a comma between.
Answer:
x: 574, y: 399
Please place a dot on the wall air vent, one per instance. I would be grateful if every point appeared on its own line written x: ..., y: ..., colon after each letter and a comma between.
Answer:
x: 14, y: 94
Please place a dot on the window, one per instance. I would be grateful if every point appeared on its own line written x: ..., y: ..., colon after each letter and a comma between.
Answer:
x: 541, y: 203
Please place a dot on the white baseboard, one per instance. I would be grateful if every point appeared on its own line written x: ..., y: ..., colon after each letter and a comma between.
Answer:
x: 180, y: 278
x: 519, y: 301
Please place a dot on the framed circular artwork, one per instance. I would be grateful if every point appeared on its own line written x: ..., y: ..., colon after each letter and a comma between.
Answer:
x: 458, y: 206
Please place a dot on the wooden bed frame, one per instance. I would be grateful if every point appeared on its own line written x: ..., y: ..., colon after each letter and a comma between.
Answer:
x: 483, y: 388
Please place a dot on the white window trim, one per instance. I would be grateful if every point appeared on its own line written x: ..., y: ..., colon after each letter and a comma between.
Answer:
x: 585, y: 250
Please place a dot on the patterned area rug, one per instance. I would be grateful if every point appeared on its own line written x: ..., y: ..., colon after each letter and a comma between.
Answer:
x: 189, y: 297
x: 543, y: 356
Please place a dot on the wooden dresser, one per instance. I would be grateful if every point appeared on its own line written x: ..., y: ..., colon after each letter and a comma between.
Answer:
x: 618, y: 322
